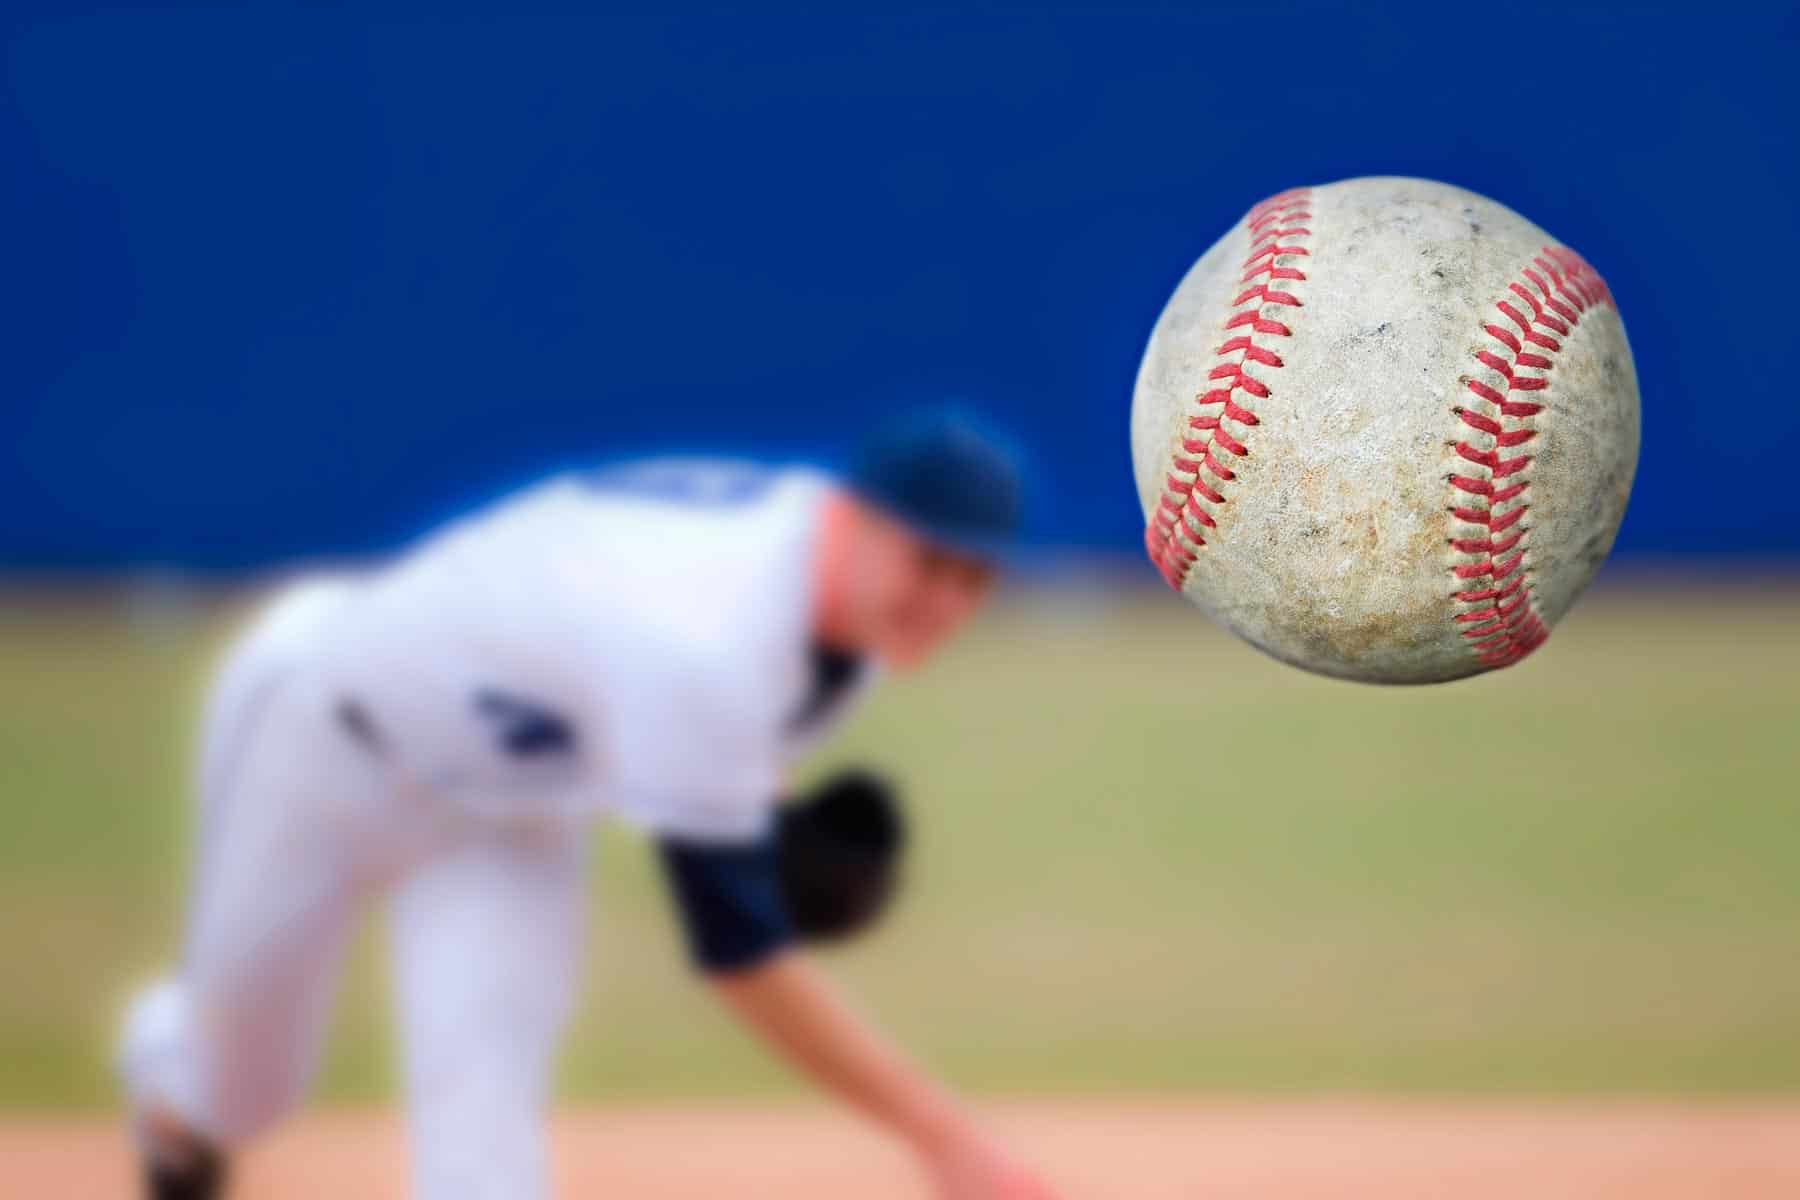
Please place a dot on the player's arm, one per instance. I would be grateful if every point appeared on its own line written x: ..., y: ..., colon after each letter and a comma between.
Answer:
x: 741, y: 938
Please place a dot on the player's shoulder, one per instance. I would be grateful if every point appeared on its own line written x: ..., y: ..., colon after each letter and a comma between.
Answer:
x: 696, y: 567
x: 714, y: 586
x: 711, y: 554
x: 695, y: 486
x: 652, y: 498
x: 704, y: 531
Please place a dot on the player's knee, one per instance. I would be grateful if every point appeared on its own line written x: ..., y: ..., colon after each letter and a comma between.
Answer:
x: 225, y: 1089
x: 154, y: 1048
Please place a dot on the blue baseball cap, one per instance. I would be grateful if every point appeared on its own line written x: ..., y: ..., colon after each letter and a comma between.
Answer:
x: 948, y: 477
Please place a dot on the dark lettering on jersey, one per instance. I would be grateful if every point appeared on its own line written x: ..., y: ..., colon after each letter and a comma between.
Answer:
x: 355, y: 720
x: 526, y: 728
x: 684, y: 481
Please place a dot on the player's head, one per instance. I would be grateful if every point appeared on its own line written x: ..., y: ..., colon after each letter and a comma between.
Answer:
x: 933, y: 501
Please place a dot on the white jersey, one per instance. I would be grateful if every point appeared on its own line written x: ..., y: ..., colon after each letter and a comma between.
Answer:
x: 634, y: 640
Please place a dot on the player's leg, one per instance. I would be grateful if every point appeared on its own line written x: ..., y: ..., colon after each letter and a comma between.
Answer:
x: 487, y: 952
x: 222, y: 1048
x: 289, y: 847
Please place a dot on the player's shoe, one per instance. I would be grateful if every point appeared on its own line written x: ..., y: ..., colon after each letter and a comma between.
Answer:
x: 178, y: 1164
x: 198, y: 1173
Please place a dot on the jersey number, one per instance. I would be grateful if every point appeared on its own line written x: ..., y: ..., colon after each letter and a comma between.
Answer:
x: 684, y: 481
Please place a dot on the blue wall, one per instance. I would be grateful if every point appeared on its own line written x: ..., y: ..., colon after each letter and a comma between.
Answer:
x: 279, y: 284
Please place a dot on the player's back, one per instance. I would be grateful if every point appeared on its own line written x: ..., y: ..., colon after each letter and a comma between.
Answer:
x: 541, y: 651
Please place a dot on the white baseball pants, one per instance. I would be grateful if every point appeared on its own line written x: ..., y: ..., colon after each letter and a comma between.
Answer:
x: 300, y: 829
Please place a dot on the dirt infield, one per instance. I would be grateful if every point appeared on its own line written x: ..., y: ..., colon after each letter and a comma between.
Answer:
x: 1150, y: 1150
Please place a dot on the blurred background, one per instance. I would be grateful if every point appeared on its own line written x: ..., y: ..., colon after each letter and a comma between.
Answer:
x: 287, y: 286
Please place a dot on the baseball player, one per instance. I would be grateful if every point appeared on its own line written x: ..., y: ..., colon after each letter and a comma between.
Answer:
x: 655, y: 642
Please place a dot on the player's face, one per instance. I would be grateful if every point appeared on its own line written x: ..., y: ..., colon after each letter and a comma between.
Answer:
x: 931, y: 592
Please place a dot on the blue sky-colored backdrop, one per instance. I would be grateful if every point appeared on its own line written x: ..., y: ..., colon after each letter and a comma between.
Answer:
x: 292, y: 283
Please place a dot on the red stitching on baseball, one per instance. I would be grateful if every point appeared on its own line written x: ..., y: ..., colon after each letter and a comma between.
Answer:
x: 1556, y: 288
x: 1173, y: 535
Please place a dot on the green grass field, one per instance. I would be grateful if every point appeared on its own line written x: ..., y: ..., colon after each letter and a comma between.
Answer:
x: 1148, y: 859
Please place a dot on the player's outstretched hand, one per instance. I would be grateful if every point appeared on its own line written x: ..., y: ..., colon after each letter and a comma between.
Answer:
x: 980, y: 1170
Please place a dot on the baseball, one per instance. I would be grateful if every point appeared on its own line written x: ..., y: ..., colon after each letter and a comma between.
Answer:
x: 1385, y: 430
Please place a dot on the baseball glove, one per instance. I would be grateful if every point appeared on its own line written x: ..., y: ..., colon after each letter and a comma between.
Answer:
x: 839, y: 854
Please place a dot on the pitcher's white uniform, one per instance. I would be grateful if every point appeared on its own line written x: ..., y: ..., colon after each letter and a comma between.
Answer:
x: 442, y: 731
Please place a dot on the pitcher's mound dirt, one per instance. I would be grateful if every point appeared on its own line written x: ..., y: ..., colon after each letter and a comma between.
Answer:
x: 1143, y: 1150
